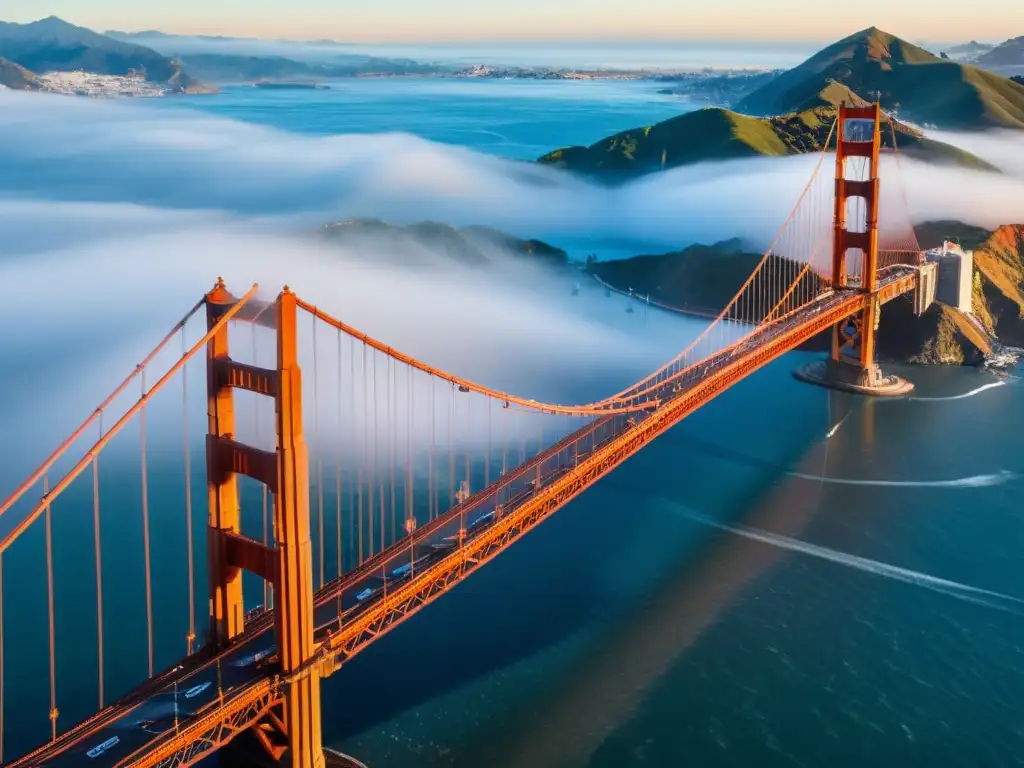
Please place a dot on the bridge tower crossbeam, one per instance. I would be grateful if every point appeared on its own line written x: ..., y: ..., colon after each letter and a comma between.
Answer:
x: 288, y: 564
x: 851, y: 366
x: 853, y: 342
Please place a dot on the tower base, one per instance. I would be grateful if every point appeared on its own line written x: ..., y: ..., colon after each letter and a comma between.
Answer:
x: 848, y: 377
x: 245, y: 751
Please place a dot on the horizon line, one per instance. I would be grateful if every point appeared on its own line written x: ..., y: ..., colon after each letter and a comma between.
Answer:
x: 486, y: 40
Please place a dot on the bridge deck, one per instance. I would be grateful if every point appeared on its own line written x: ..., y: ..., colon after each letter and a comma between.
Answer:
x: 218, y: 695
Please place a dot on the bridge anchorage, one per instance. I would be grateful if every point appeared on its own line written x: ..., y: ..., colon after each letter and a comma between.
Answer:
x: 430, y: 477
x: 858, y: 256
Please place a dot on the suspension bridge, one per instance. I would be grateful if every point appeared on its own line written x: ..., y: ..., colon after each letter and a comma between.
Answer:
x: 413, y: 479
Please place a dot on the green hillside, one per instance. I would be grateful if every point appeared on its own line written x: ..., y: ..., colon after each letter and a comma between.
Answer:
x: 921, y: 86
x: 52, y: 45
x: 720, y: 134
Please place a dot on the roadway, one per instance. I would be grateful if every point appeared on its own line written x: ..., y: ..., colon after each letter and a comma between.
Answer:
x: 206, y: 681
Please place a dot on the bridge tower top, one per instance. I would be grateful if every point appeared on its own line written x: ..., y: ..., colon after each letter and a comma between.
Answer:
x: 859, y: 136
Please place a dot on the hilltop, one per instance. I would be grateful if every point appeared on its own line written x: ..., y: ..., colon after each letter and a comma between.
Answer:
x: 919, y: 85
x: 17, y: 77
x: 469, y: 246
x: 720, y: 134
x: 52, y: 44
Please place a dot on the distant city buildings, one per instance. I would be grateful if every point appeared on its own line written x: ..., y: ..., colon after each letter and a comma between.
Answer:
x: 99, y: 86
x: 956, y: 275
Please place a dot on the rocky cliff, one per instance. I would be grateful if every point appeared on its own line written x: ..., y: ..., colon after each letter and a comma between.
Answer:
x: 999, y: 283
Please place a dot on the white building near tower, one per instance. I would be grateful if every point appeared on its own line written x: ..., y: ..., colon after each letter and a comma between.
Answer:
x: 956, y: 275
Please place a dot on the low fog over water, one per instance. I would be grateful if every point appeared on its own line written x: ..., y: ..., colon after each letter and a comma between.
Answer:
x: 122, y: 215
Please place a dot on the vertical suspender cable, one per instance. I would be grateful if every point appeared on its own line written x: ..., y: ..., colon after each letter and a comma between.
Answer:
x: 431, y: 467
x: 1, y: 658
x: 522, y: 437
x: 451, y: 449
x: 49, y: 600
x: 338, y: 512
x: 381, y: 465
x: 145, y: 528
x: 410, y: 515
x: 191, y: 637
x: 469, y: 445
x: 372, y: 482
x: 388, y: 428
x: 352, y: 433
x: 393, y: 439
x: 487, y: 446
x: 540, y: 446
x: 363, y: 435
x: 319, y: 454
x: 99, y: 564
x: 337, y: 475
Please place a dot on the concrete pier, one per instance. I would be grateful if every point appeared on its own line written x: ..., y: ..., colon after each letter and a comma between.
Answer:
x: 847, y: 377
x: 245, y: 752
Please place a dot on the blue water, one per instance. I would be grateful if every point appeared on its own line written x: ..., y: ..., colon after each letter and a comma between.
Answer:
x: 522, y: 119
x: 625, y: 632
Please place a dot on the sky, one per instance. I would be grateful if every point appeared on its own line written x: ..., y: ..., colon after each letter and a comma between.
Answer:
x: 399, y: 21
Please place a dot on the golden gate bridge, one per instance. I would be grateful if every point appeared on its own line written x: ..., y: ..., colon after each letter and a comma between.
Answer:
x: 416, y: 477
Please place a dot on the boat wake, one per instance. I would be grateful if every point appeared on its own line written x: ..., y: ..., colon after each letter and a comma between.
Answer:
x: 975, y: 481
x: 964, y: 396
x: 965, y: 592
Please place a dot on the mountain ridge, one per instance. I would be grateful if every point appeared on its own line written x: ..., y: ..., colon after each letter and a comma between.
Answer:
x: 906, y: 78
x: 52, y: 44
x: 1007, y: 54
x: 715, y: 133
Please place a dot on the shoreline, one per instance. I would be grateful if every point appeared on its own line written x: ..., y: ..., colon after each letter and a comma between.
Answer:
x: 703, y: 314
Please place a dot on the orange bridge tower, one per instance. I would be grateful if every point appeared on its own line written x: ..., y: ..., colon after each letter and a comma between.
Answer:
x: 288, y: 563
x: 851, y: 365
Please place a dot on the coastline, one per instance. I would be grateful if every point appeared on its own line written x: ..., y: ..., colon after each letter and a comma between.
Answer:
x: 704, y: 314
